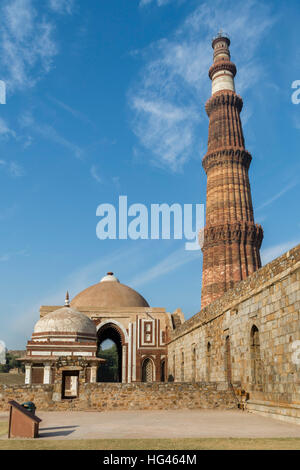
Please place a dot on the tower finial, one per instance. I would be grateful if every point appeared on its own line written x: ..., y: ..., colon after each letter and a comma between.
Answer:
x: 67, y: 300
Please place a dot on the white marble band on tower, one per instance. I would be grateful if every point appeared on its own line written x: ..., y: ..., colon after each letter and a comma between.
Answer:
x: 223, y: 71
x: 222, y: 81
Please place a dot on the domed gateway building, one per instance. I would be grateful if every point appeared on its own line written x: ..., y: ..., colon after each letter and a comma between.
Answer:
x: 66, y: 340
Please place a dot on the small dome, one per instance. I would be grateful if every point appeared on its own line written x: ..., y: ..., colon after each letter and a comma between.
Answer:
x: 66, y: 320
x: 109, y: 293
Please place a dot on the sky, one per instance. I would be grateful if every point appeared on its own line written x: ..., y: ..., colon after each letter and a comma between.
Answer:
x: 106, y: 98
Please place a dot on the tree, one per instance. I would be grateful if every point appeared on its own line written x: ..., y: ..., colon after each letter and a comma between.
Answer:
x: 11, y: 363
x: 109, y: 371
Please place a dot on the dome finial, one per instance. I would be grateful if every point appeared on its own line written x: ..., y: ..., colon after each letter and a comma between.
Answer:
x: 109, y: 277
x: 67, y: 300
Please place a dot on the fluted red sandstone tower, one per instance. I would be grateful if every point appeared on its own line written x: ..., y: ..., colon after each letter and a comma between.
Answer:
x: 231, y: 238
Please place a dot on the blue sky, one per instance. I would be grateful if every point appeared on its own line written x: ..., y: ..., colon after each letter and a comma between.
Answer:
x: 106, y: 98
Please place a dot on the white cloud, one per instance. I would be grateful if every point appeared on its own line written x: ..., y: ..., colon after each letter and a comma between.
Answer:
x: 5, y: 131
x: 14, y: 169
x: 72, y: 111
x: 159, y: 3
x: 62, y: 6
x: 169, y: 95
x: 278, y: 195
x: 28, y: 141
x: 26, y: 44
x: 50, y: 133
x: 269, y: 254
x: 95, y: 174
x: 9, y: 255
x: 170, y: 263
x: 165, y: 129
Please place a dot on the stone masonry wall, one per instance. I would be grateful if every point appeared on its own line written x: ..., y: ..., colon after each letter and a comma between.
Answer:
x: 267, y: 301
x: 117, y: 396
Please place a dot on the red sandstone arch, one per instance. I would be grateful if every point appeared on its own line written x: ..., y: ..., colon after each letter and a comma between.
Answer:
x: 145, y: 371
x: 111, y: 331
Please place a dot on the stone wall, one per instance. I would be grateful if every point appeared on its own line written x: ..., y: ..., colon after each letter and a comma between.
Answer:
x: 250, y: 334
x: 41, y: 395
x: 117, y: 396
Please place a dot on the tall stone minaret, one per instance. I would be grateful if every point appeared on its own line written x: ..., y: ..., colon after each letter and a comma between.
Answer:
x: 231, y: 238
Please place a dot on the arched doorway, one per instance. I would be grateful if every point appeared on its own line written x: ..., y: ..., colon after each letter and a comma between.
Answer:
x: 194, y: 364
x: 256, y: 371
x: 208, y: 355
x: 147, y: 370
x: 163, y: 371
x: 110, y: 343
x: 182, y: 367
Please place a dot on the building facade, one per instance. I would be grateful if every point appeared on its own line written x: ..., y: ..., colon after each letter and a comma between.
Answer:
x: 106, y: 310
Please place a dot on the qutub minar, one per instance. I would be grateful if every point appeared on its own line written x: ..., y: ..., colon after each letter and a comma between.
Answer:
x: 240, y: 349
x: 231, y: 238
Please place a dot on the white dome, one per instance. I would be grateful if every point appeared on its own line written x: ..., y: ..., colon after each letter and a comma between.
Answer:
x: 110, y: 277
x: 66, y: 320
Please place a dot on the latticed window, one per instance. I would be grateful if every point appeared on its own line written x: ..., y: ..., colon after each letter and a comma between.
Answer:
x: 147, y: 371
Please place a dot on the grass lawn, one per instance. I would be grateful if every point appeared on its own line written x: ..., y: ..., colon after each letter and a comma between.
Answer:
x: 11, y: 379
x: 152, y: 444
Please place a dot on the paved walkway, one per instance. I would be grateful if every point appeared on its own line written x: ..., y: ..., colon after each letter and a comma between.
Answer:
x: 160, y: 424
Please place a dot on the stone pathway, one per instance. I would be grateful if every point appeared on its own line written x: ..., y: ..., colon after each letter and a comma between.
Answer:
x: 160, y: 424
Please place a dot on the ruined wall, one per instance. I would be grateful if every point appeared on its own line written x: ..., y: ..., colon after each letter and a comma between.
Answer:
x: 117, y: 396
x: 250, y: 336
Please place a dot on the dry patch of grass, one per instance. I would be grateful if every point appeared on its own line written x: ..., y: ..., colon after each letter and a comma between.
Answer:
x: 11, y: 379
x: 152, y: 444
